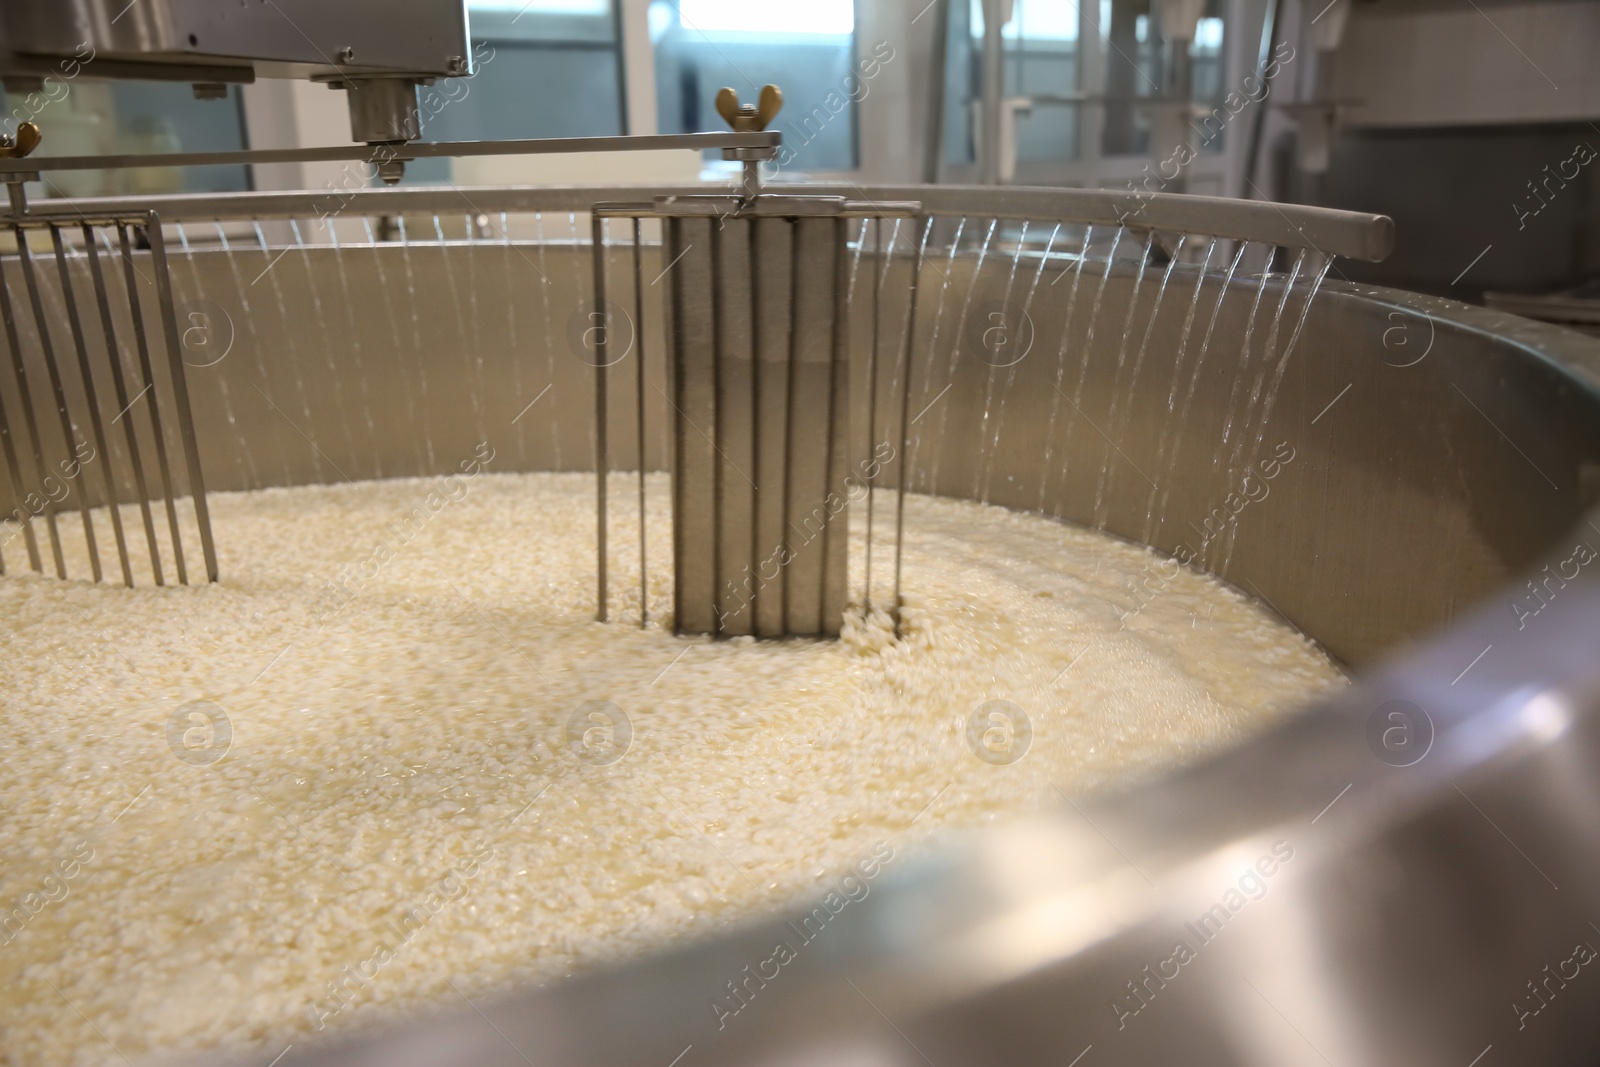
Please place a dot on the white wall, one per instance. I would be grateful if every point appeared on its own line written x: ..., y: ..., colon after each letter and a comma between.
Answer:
x: 281, y: 113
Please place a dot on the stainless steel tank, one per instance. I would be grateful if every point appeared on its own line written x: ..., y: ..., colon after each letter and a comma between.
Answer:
x: 1406, y: 874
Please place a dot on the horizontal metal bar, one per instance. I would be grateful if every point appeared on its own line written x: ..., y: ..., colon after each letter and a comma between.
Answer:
x: 875, y: 209
x: 45, y: 220
x: 401, y: 152
x: 38, y: 66
x: 1347, y: 234
x: 627, y: 209
x: 787, y: 204
x: 406, y: 200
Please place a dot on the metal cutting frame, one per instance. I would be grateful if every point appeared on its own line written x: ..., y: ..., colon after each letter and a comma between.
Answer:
x: 759, y: 370
x: 161, y: 405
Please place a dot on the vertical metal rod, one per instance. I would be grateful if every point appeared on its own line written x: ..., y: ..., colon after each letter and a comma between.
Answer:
x: 992, y: 91
x: 638, y: 343
x: 120, y: 385
x: 872, y: 395
x: 671, y: 237
x: 717, y: 452
x: 20, y: 375
x: 598, y: 315
x: 1271, y: 25
x: 18, y: 491
x: 938, y: 63
x: 96, y: 423
x: 786, y: 549
x: 833, y: 539
x: 25, y: 257
x: 136, y: 310
x: 754, y: 256
x: 905, y: 425
x: 180, y: 388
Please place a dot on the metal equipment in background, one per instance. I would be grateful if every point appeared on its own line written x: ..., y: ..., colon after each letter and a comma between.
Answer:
x: 1425, y: 112
x: 378, y: 51
x: 1172, y: 113
x: 1577, y: 308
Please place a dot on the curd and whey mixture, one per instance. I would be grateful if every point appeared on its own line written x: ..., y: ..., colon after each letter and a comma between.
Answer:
x: 403, y: 750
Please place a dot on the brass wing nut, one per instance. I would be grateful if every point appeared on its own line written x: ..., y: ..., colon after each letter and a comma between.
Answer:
x: 26, y: 140
x: 749, y: 118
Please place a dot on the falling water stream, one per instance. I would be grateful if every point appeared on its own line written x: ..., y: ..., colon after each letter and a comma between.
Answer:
x: 983, y: 353
x: 461, y: 326
x: 933, y: 343
x: 244, y: 459
x: 1231, y: 412
x: 549, y: 347
x: 511, y: 302
x: 1116, y: 432
x: 1185, y: 332
x: 1025, y: 329
x: 424, y: 458
x: 1146, y: 243
x: 327, y: 342
x: 1269, y: 398
x: 855, y: 266
x: 424, y: 409
x: 1056, y: 393
x: 472, y: 316
x: 1259, y: 400
x: 250, y: 330
x: 355, y: 351
x: 1283, y: 361
x: 1076, y: 399
x: 961, y: 326
x: 1168, y: 431
x: 293, y: 349
x: 904, y: 344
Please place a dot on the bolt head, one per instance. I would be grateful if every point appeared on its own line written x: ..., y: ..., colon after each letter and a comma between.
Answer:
x: 390, y: 171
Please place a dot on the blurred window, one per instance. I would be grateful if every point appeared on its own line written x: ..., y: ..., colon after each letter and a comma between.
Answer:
x: 1038, y: 20
x: 806, y: 47
x: 81, y: 116
x: 1136, y: 67
x: 1041, y: 63
x: 543, y: 68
